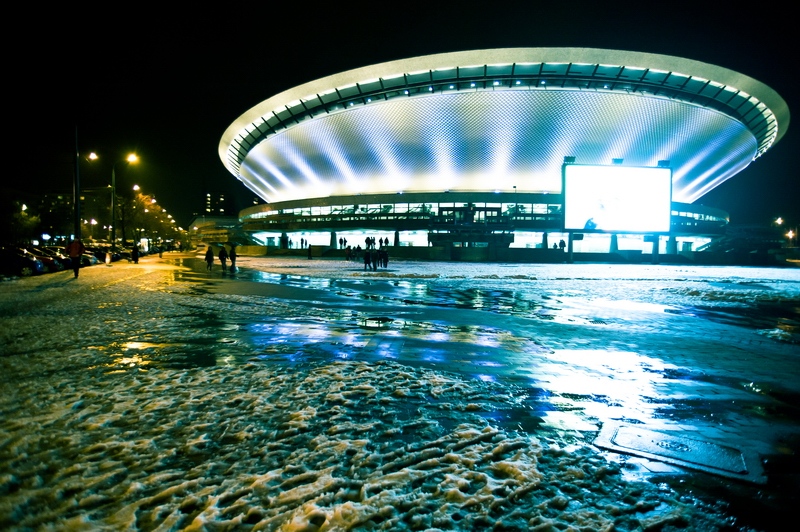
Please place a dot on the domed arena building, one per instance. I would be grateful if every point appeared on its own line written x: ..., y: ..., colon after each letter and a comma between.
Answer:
x: 499, y: 154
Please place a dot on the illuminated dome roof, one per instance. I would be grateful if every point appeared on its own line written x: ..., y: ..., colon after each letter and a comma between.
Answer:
x: 499, y: 119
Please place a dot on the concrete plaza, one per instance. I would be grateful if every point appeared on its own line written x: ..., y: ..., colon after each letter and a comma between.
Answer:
x: 681, y: 377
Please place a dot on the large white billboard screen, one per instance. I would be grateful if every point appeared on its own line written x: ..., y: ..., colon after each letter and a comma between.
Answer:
x: 617, y: 198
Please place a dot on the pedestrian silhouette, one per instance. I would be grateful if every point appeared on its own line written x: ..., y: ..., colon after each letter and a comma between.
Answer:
x: 75, y: 251
x: 223, y: 258
x: 209, y: 259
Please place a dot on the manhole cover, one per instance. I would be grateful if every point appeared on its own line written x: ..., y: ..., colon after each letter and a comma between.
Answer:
x: 674, y: 448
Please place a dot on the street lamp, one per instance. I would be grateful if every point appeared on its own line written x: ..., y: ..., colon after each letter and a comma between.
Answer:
x: 129, y: 159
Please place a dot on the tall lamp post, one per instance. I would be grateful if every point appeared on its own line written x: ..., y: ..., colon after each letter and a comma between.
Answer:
x: 76, y: 189
x: 132, y: 158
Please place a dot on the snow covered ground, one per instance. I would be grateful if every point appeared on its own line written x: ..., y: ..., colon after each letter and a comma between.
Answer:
x: 312, y: 395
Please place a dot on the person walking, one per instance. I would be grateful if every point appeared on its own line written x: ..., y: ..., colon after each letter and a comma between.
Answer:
x: 367, y: 264
x: 75, y: 250
x: 223, y: 258
x: 209, y: 258
x: 135, y: 254
x: 232, y: 256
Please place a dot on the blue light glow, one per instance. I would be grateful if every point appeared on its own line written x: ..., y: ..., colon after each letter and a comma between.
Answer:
x: 494, y: 140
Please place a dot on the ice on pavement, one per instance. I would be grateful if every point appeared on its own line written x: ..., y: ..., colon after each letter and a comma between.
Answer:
x: 148, y: 398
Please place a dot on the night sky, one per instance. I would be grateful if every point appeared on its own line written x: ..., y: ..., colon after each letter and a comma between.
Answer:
x: 168, y: 85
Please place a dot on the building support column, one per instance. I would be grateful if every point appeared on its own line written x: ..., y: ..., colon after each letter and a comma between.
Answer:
x: 656, y: 242
x: 397, y: 238
x: 614, y: 247
x: 545, y: 245
x: 672, y: 245
x: 334, y: 243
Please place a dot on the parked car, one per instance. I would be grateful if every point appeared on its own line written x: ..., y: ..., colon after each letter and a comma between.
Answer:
x: 50, y: 263
x: 86, y: 260
x: 57, y: 253
x: 101, y: 251
x: 14, y: 262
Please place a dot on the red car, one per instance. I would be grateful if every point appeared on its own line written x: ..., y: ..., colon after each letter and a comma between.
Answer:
x: 50, y: 263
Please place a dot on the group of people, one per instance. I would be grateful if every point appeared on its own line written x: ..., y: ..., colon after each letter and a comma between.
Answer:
x: 224, y: 256
x: 375, y: 257
x: 75, y: 250
x: 370, y: 242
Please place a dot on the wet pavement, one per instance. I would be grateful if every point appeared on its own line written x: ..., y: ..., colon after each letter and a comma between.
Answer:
x: 663, y: 378
x: 696, y: 394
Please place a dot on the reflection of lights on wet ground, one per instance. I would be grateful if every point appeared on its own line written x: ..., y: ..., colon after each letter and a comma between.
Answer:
x: 485, y: 340
x: 430, y: 355
x: 292, y: 330
x: 438, y: 337
x: 138, y: 345
x: 753, y: 387
x: 293, y: 280
x: 131, y: 361
x: 618, y: 367
x: 623, y: 380
x: 350, y: 339
x: 386, y: 352
x: 123, y: 358
x: 461, y: 334
x: 622, y: 304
